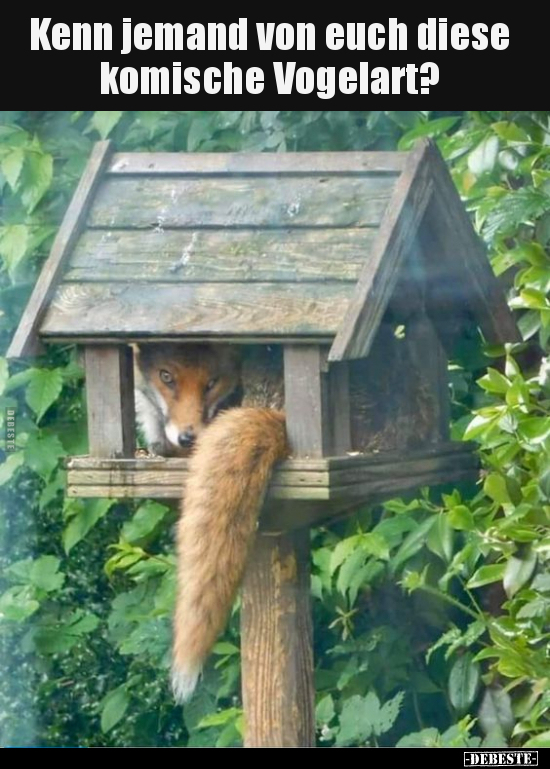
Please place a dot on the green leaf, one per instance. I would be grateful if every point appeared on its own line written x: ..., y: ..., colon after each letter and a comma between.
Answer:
x: 541, y: 740
x: 478, y: 426
x: 125, y: 558
x: 430, y: 128
x: 220, y: 718
x: 18, y: 603
x: 495, y: 487
x: 43, y: 389
x: 461, y: 518
x: 42, y: 454
x: 343, y: 549
x: 389, y: 711
x: 355, y: 727
x: 495, y: 712
x: 105, y: 121
x: 4, y: 375
x: 542, y: 583
x: 535, y: 430
x: 324, y: 712
x: 531, y: 298
x: 199, y: 131
x: 20, y: 571
x: 544, y: 482
x: 59, y: 637
x: 12, y: 164
x: 363, y: 716
x: 450, y: 636
x: 518, y: 572
x: 375, y: 545
x: 113, y: 707
x: 229, y: 736
x: 483, y: 158
x: 45, y: 573
x: 464, y: 680
x: 35, y: 178
x: 487, y: 574
x: 20, y: 379
x: 225, y: 648
x: 145, y: 521
x: 12, y: 463
x: 510, y: 132
x: 84, y: 520
x: 412, y: 543
x: 53, y: 486
x: 427, y: 738
x: 349, y: 569
x: 14, y: 240
x: 539, y: 607
x: 440, y: 538
x: 494, y: 382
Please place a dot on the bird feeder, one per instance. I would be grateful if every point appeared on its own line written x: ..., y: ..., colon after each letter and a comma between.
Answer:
x: 363, y: 266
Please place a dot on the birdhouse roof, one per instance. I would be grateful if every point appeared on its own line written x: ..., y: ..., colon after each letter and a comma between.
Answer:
x: 256, y: 247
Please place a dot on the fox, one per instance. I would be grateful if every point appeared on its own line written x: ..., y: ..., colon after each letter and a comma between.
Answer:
x: 202, y: 401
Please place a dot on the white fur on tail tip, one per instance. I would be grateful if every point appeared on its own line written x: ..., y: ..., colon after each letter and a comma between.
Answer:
x: 184, y: 681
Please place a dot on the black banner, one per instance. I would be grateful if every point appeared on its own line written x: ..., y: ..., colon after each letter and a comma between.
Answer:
x: 309, y: 65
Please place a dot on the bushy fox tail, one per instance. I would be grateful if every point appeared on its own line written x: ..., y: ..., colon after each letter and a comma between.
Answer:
x: 228, y: 477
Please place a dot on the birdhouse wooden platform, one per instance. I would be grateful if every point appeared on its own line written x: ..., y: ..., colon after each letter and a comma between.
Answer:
x: 363, y: 266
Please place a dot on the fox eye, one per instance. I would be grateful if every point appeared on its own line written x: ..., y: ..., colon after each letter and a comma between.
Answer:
x: 211, y: 384
x: 166, y: 377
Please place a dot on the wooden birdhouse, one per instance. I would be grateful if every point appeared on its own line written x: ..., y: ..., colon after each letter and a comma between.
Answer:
x: 362, y: 266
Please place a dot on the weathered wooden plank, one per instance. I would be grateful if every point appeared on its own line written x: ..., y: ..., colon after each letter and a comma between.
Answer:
x: 306, y: 401
x: 244, y: 339
x: 339, y: 405
x: 305, y: 480
x: 428, y: 358
x: 25, y: 340
x: 289, y: 508
x: 287, y: 515
x: 125, y: 492
x: 111, y: 413
x: 382, y: 488
x: 393, y: 408
x: 217, y: 255
x: 457, y: 237
x: 263, y: 201
x: 177, y: 163
x: 379, y: 277
x: 170, y: 477
x: 321, y: 464
x: 258, y: 309
x: 277, y: 644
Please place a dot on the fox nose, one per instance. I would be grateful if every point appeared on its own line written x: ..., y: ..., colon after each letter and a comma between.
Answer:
x: 186, y: 438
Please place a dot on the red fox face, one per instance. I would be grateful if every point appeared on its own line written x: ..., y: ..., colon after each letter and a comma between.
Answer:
x: 189, y: 384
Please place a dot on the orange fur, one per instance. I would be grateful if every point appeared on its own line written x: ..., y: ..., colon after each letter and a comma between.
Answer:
x: 228, y: 476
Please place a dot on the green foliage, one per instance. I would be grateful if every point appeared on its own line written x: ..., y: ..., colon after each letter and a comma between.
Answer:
x: 432, y: 615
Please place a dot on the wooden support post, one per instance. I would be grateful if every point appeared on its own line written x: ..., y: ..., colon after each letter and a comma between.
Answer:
x: 306, y: 401
x: 277, y: 655
x: 277, y: 644
x: 339, y: 408
x: 110, y: 397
